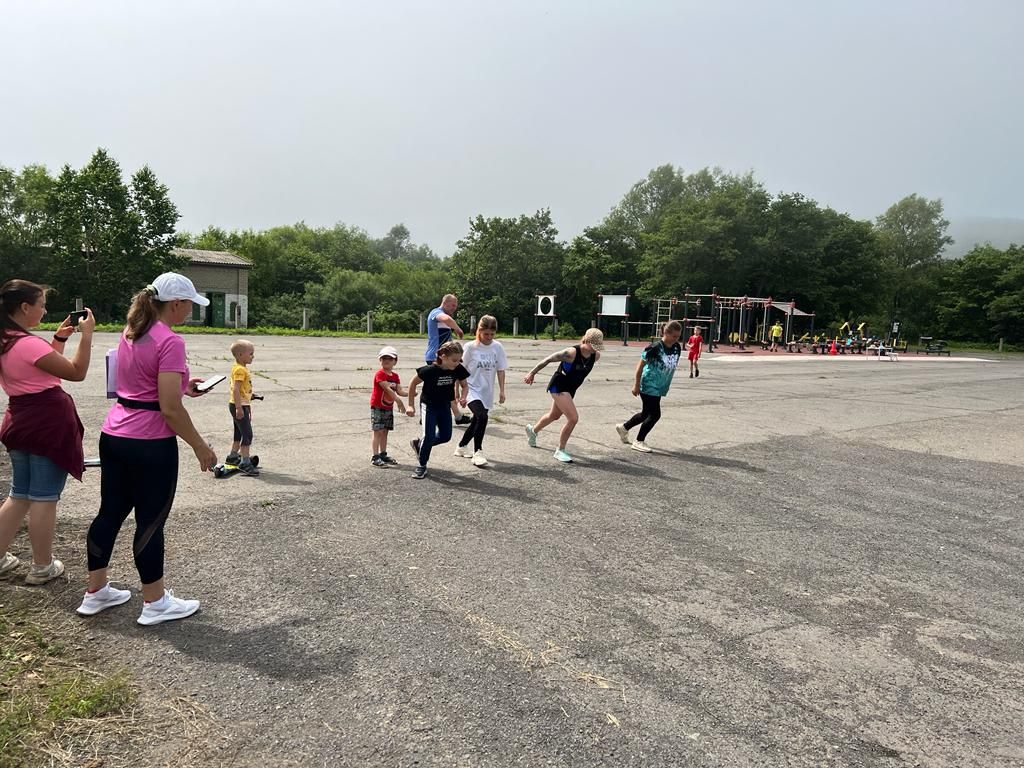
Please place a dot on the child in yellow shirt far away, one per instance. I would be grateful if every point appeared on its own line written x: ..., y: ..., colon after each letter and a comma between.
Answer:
x: 241, y: 409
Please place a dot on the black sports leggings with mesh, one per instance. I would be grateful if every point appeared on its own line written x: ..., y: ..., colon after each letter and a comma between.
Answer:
x: 140, y: 475
x: 647, y: 418
x: 477, y: 426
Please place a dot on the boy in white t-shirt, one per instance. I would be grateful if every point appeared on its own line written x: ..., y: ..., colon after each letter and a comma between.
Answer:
x: 485, y: 360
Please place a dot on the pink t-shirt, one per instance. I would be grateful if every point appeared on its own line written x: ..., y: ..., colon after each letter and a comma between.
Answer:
x: 18, y: 372
x: 139, y: 363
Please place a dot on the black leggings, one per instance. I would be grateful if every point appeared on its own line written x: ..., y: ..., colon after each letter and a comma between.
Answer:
x: 243, y: 426
x: 647, y: 418
x: 139, y: 474
x: 477, y: 426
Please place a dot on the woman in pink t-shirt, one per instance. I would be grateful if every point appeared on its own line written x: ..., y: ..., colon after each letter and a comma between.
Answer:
x: 41, y: 429
x: 139, y: 448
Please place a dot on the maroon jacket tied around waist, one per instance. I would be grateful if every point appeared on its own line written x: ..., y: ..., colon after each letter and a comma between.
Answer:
x: 46, y: 424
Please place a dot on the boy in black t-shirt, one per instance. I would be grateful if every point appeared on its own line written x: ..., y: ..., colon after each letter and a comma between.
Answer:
x: 439, y: 381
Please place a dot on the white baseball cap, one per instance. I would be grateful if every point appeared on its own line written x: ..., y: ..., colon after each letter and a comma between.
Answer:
x: 170, y: 286
x: 387, y: 352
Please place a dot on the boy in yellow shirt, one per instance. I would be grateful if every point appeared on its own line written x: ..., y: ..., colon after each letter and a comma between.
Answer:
x: 241, y: 409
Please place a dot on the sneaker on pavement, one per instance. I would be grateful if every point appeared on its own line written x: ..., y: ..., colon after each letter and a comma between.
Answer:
x: 641, y: 446
x: 167, y: 608
x: 463, y: 451
x: 40, y: 574
x: 531, y: 436
x: 9, y: 563
x: 623, y: 433
x: 248, y: 468
x: 415, y: 443
x: 463, y: 420
x: 377, y: 461
x: 388, y: 460
x: 101, y: 599
x: 419, y: 473
x: 696, y: 372
x: 479, y: 460
x: 562, y: 456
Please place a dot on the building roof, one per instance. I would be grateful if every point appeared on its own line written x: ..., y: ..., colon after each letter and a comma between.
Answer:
x: 213, y: 258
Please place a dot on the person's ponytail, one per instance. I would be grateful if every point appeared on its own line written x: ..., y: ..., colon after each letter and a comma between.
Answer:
x: 144, y: 311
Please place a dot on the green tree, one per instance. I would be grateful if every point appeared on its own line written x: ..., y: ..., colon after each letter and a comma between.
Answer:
x: 912, y: 235
x: 503, y: 263
x: 108, y: 239
x: 982, y: 295
x: 23, y: 205
x: 712, y: 236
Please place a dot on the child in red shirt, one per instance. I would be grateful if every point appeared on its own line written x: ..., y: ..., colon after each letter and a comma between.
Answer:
x: 694, y: 344
x: 386, y: 385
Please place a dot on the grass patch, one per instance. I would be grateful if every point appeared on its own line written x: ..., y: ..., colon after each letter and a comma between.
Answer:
x: 51, y: 699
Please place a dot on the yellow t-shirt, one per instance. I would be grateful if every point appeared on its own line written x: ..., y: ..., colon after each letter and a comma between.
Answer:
x: 241, y: 373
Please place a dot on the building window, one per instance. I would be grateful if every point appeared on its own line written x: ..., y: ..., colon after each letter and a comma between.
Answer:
x: 197, y: 313
x: 231, y: 311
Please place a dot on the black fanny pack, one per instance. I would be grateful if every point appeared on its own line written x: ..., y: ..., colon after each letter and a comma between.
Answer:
x: 140, y: 405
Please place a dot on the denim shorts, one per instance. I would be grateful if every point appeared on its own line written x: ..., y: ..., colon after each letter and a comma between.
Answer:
x: 36, y: 478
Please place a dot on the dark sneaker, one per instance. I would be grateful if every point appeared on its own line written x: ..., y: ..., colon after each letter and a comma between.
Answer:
x: 463, y: 420
x: 415, y: 443
x: 696, y: 372
x: 377, y: 461
x: 388, y: 460
x: 233, y: 458
x: 419, y: 473
x: 248, y: 468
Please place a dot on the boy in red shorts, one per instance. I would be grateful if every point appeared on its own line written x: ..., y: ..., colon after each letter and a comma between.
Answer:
x: 694, y: 345
x: 386, y: 385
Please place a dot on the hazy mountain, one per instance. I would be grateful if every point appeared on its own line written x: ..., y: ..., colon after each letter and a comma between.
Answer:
x: 970, y: 231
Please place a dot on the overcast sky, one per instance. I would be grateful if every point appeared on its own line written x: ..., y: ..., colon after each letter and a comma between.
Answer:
x: 377, y: 112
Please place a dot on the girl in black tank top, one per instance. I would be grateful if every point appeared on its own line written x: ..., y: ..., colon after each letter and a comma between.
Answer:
x: 570, y: 376
x: 574, y: 365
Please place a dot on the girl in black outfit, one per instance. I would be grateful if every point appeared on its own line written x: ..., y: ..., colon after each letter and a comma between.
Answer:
x: 575, y: 364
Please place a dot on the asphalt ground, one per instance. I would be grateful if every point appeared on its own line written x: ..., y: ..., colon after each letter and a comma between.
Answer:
x: 818, y: 565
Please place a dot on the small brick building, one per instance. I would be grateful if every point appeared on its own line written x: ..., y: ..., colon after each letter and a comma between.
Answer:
x: 224, y: 279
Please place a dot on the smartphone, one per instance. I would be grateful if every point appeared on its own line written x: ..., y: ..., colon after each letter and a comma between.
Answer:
x: 210, y: 383
x: 79, y: 315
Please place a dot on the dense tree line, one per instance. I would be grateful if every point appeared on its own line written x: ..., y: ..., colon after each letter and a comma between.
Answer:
x: 89, y: 233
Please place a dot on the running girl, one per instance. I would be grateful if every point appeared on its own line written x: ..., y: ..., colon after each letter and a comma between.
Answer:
x: 439, y: 381
x: 574, y: 365
x: 484, y: 359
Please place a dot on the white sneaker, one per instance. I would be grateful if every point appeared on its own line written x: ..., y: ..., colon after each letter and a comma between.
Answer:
x: 40, y: 574
x: 562, y: 456
x: 479, y: 460
x: 641, y: 446
x: 167, y: 608
x: 623, y: 433
x: 101, y: 599
x: 9, y: 563
x: 463, y: 451
x: 531, y: 436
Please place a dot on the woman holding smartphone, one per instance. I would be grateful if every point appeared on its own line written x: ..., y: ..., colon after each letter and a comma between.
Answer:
x: 41, y: 428
x: 139, y: 448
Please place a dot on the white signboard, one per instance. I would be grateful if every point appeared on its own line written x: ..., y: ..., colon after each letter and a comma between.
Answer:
x: 614, y: 305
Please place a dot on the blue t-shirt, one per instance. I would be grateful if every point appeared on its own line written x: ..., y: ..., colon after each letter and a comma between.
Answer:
x: 437, y: 334
x: 660, y: 364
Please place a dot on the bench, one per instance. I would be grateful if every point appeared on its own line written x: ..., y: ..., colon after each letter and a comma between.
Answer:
x: 933, y: 347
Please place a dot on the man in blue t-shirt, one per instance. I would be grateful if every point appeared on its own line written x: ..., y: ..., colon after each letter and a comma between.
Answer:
x: 440, y: 327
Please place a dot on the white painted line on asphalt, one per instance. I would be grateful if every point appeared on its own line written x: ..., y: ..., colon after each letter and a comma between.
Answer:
x: 903, y: 358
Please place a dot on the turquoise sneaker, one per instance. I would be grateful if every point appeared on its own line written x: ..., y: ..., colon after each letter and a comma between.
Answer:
x: 531, y: 436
